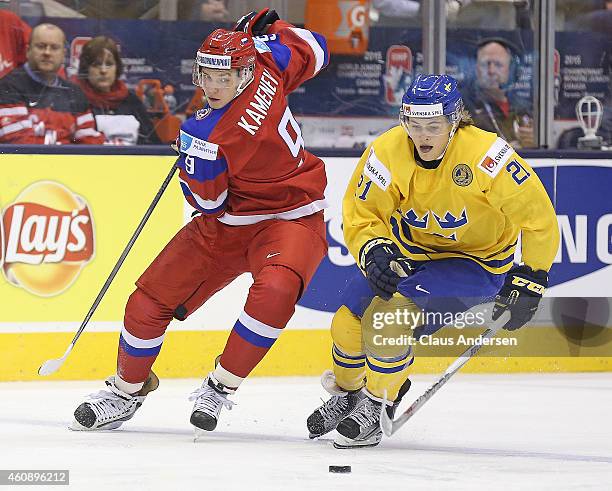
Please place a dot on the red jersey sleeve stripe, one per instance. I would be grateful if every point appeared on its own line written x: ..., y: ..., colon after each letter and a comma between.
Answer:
x: 317, y: 49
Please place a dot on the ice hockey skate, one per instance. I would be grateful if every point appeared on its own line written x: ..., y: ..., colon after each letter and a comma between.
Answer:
x: 108, y: 409
x: 326, y: 417
x: 362, y: 427
x: 209, y: 399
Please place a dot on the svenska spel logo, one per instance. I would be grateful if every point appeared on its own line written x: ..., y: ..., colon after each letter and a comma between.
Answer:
x: 47, y: 237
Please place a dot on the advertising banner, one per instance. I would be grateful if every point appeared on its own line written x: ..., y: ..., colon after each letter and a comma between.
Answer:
x: 67, y: 218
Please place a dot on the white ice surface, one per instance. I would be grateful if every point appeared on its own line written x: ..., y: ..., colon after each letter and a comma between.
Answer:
x: 478, y: 432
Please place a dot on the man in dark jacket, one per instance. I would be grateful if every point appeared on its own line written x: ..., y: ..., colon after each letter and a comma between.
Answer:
x: 37, y: 105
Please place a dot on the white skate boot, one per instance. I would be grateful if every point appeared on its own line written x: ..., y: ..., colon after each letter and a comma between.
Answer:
x: 209, y: 399
x: 108, y: 409
x: 326, y: 417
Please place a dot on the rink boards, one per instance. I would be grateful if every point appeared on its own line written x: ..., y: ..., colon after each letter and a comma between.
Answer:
x: 67, y: 218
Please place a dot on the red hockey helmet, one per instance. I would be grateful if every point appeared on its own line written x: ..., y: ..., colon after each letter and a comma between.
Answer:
x: 225, y: 50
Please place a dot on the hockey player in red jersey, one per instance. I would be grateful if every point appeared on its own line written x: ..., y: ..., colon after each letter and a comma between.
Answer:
x: 243, y: 166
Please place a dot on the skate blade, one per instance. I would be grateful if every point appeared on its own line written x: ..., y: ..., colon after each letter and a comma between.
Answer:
x: 341, y: 442
x: 198, y: 433
x: 76, y: 426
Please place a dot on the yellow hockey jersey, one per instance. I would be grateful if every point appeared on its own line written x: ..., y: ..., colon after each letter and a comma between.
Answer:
x: 473, y: 205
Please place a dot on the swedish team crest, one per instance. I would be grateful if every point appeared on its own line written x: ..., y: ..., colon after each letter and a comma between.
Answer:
x: 462, y: 175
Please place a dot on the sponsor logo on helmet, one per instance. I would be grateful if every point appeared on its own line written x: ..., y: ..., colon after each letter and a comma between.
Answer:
x: 48, y: 238
x: 209, y: 60
x: 462, y: 175
x: 423, y: 110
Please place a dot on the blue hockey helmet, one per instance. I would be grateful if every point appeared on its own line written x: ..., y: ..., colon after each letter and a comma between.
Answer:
x: 432, y: 95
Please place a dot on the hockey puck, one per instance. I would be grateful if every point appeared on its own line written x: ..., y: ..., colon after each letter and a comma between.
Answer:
x: 340, y: 469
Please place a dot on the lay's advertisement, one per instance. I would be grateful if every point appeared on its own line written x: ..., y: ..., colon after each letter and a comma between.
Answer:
x: 67, y: 218
x: 49, y: 238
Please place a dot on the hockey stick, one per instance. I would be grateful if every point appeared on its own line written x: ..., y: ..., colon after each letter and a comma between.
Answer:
x: 50, y: 366
x: 390, y: 426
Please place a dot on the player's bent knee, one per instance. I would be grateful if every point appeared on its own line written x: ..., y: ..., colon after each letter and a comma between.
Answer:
x: 388, y: 326
x: 277, y: 289
x: 143, y: 312
x: 281, y: 282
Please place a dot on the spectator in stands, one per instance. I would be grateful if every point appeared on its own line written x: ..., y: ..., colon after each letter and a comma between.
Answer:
x: 598, y: 19
x: 397, y: 12
x: 40, y: 107
x: 206, y: 10
x: 214, y: 11
x: 490, y: 99
x: 14, y: 35
x: 120, y: 114
x: 112, y: 9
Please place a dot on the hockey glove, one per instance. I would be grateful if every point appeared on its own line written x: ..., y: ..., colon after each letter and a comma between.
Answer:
x: 521, y: 294
x: 257, y: 23
x: 380, y: 258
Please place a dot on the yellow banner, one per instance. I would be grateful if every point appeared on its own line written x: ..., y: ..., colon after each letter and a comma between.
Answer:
x: 66, y: 220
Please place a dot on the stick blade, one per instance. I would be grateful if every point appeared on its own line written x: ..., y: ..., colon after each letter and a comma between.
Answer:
x: 50, y: 366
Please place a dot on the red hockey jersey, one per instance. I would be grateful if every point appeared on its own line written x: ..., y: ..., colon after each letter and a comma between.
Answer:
x: 246, y: 162
x: 14, y: 38
x: 35, y: 113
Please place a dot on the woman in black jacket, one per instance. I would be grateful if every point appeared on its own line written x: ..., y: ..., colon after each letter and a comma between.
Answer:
x: 119, y: 113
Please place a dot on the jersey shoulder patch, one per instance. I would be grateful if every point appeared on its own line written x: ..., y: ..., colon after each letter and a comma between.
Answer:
x: 197, y: 147
x: 260, y: 44
x: 495, y: 158
x: 377, y: 171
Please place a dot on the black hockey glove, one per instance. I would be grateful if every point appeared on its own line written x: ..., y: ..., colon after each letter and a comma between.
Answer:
x: 380, y: 258
x: 520, y: 295
x: 257, y: 23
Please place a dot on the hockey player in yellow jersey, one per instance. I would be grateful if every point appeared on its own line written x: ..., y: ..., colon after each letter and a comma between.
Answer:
x: 432, y: 215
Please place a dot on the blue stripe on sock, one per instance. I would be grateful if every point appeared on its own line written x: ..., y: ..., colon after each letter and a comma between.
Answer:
x: 344, y: 355
x: 139, y: 352
x: 251, y: 337
x: 386, y: 370
x: 347, y: 365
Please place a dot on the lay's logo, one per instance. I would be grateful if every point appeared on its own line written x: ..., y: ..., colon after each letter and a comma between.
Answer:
x: 47, y: 238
